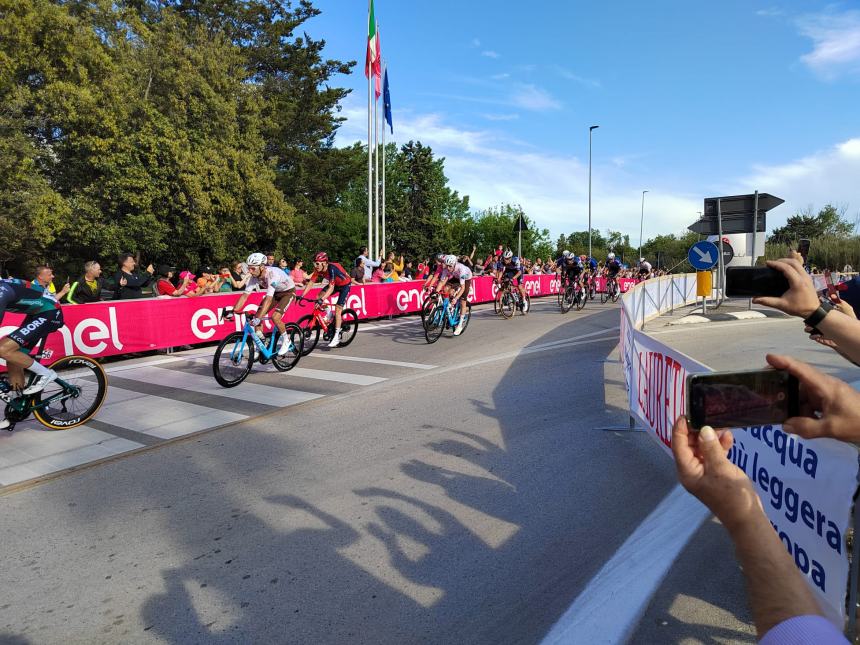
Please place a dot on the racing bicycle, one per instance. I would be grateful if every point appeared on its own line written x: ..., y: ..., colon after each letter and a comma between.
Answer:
x: 236, y: 354
x: 612, y: 292
x: 443, y: 315
x: 510, y: 300
x: 322, y: 321
x: 73, y: 399
x: 572, y: 294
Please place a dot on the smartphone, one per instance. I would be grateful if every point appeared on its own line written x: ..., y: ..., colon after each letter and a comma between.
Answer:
x: 738, y: 399
x: 750, y: 282
x: 803, y: 249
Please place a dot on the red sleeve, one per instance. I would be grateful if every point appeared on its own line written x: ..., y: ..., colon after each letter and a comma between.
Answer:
x: 165, y: 288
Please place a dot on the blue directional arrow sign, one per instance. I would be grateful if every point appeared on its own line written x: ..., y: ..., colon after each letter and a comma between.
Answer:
x: 703, y: 255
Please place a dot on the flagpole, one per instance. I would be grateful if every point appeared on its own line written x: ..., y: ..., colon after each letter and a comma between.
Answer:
x: 369, y: 165
x: 376, y: 175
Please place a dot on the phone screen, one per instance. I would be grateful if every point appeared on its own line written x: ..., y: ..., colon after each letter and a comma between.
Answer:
x: 803, y: 248
x: 749, y: 282
x: 737, y: 399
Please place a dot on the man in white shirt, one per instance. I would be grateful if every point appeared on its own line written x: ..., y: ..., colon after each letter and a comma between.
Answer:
x: 369, y: 265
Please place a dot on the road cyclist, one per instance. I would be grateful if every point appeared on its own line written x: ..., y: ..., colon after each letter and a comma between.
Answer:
x: 509, y: 271
x: 280, y: 291
x: 80, y: 382
x: 612, y: 291
x: 335, y: 280
x: 570, y: 271
x: 460, y: 274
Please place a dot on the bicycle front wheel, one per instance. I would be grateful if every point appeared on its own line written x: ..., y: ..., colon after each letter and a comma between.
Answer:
x: 604, y: 295
x: 581, y: 299
x: 526, y: 304
x: 294, y: 340
x: 567, y: 298
x: 348, y: 326
x: 616, y: 293
x: 435, y: 323
x: 508, y: 305
x: 75, y: 397
x: 233, y: 360
x: 311, y: 333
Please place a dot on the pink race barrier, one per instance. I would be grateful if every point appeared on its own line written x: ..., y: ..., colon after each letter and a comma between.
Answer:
x: 128, y: 326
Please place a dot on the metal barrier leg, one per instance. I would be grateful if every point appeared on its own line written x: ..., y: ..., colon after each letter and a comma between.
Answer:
x: 853, y: 578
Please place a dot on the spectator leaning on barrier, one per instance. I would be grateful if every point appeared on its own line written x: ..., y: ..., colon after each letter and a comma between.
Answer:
x: 297, y: 273
x: 129, y: 285
x: 225, y: 280
x: 239, y: 276
x: 87, y: 288
x: 208, y: 282
x: 369, y: 265
x: 783, y: 607
x: 407, y: 271
x: 165, y: 287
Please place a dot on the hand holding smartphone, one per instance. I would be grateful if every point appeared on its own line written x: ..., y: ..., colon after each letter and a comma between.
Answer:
x: 753, y: 282
x: 743, y: 398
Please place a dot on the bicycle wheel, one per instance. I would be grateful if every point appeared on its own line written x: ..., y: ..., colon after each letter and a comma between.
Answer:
x: 348, y: 326
x: 567, y: 300
x: 427, y: 307
x: 526, y: 304
x: 233, y: 360
x: 508, y: 304
x: 310, y: 332
x: 497, y: 303
x: 616, y: 293
x: 604, y: 296
x: 435, y: 324
x: 581, y: 298
x: 76, y: 400
x: 295, y: 339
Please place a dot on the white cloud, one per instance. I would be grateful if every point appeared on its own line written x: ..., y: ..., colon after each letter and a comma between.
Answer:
x: 476, y: 42
x: 825, y: 177
x: 569, y: 75
x: 552, y: 188
x: 531, y: 97
x: 836, y: 43
x: 770, y: 12
x: 501, y: 117
x: 500, y: 77
x: 489, y: 53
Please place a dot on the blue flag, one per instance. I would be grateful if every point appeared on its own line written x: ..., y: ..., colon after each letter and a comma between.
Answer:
x: 386, y: 101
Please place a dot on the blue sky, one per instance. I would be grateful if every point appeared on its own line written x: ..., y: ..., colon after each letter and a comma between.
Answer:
x: 693, y: 100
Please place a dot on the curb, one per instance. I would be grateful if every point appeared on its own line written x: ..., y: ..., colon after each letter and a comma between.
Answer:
x: 693, y: 319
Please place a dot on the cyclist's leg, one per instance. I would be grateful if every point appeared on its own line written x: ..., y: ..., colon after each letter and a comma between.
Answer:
x: 280, y: 309
x: 15, y: 347
x: 343, y: 292
x: 464, y: 294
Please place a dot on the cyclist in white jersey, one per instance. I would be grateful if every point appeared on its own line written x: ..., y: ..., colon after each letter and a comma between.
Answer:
x: 459, y: 272
x: 280, y: 290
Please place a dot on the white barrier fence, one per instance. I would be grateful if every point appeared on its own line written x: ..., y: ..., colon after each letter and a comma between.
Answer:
x: 806, y: 486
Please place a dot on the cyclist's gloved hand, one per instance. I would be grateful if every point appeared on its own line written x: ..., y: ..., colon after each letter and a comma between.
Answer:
x: 228, y: 314
x: 255, y: 322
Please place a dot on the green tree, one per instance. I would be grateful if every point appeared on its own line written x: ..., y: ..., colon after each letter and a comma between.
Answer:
x: 829, y: 221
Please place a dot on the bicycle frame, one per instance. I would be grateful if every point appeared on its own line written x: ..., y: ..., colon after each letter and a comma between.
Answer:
x: 446, y: 312
x: 248, y: 330
x: 22, y: 404
x: 319, y: 313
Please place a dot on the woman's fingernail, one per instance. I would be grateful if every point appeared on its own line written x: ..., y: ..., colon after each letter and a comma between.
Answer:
x: 707, y: 434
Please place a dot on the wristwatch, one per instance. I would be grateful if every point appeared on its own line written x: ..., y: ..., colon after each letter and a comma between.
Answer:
x: 824, y: 308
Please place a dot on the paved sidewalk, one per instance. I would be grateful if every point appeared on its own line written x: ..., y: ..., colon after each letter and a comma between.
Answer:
x: 731, y: 310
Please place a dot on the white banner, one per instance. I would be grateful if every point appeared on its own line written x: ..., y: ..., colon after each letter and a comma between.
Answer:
x: 805, y: 486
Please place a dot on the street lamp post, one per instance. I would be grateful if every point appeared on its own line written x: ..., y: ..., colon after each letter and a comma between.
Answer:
x: 641, y: 222
x: 590, y: 130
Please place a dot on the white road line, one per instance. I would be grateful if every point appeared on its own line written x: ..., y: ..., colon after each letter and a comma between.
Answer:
x: 611, y: 605
x: 378, y: 361
x: 337, y: 377
x: 165, y: 418
x: 251, y: 392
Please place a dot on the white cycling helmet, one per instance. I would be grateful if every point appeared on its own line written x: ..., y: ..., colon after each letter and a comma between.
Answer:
x: 565, y: 254
x: 256, y: 260
x: 509, y: 255
x: 611, y: 256
x: 450, y: 261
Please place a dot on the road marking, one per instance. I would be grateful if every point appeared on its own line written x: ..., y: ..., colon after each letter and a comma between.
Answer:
x: 337, y: 377
x: 25, y: 454
x: 732, y: 325
x: 611, y: 605
x: 251, y: 392
x: 165, y: 418
x: 378, y: 361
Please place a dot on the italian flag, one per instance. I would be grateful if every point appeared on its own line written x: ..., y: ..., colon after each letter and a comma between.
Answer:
x: 372, y: 62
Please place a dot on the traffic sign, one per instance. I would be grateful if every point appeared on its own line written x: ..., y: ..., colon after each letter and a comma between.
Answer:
x: 741, y: 204
x: 520, y: 225
x: 728, y: 253
x: 735, y: 223
x: 703, y: 255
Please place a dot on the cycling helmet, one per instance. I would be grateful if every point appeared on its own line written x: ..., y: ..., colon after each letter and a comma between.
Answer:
x: 256, y: 260
x: 450, y: 261
x: 322, y: 256
x: 515, y: 259
x: 611, y: 256
x: 508, y: 255
x: 565, y: 254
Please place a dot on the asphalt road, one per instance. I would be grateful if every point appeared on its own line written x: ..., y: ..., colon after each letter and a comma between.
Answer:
x: 467, y: 503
